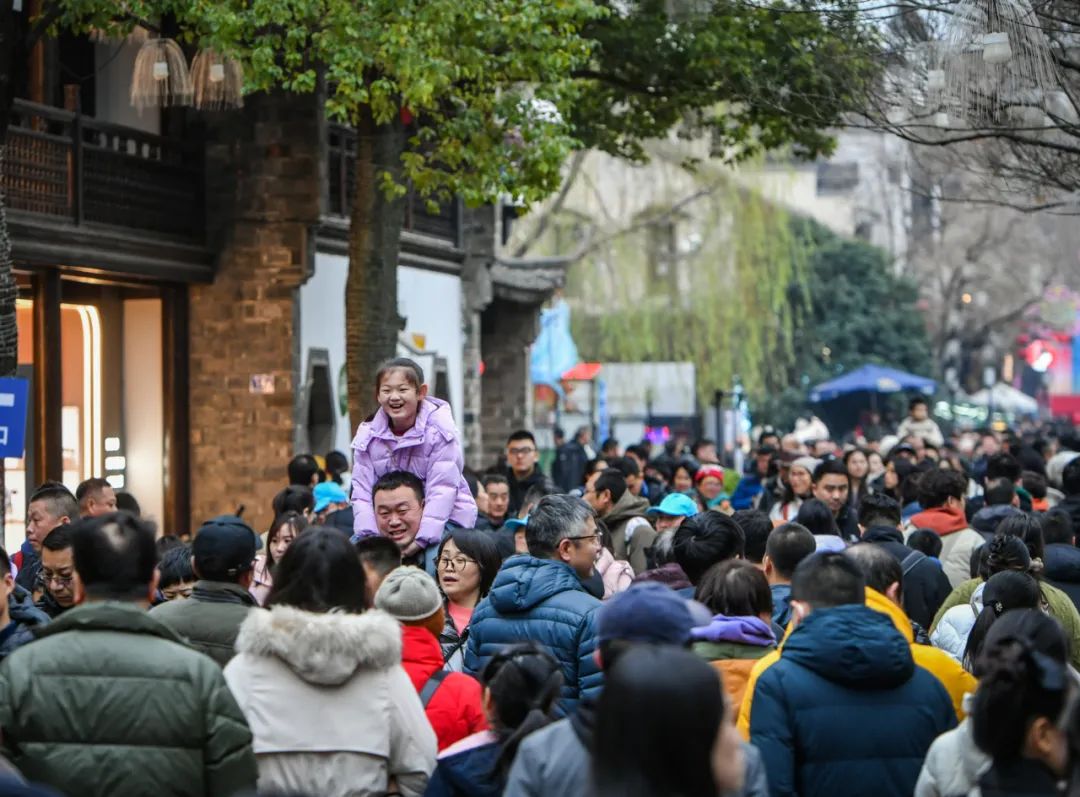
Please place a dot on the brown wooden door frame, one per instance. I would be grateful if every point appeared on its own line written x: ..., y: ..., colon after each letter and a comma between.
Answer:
x: 48, y: 377
x: 174, y: 340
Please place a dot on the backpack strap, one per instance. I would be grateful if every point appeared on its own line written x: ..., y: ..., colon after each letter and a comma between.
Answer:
x: 462, y: 639
x: 432, y: 686
x: 911, y: 560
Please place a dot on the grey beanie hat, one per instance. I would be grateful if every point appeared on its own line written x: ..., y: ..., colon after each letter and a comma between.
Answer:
x: 408, y: 594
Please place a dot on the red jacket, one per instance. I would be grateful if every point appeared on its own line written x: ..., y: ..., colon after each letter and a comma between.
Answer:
x: 455, y: 710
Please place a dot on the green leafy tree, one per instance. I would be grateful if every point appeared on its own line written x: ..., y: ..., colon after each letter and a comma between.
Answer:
x: 752, y: 76
x: 855, y: 311
x: 497, y: 94
x: 450, y: 97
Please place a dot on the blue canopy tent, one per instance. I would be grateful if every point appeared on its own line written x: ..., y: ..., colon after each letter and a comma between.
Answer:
x: 872, y: 379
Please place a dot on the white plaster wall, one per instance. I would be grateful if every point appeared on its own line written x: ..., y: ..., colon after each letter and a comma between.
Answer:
x: 322, y: 326
x: 144, y: 401
x: 430, y: 302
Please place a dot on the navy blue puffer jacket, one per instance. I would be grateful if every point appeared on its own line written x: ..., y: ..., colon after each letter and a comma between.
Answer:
x: 845, y: 711
x: 540, y: 600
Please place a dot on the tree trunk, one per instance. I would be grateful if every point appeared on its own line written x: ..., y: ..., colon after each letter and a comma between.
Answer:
x: 372, y: 322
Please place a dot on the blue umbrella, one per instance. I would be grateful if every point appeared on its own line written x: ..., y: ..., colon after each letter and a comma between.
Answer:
x: 872, y: 379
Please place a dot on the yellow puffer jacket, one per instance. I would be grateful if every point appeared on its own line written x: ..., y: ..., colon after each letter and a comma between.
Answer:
x: 956, y: 680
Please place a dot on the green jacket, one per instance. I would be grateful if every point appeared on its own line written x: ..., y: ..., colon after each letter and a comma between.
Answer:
x: 1059, y: 605
x: 210, y: 619
x: 109, y: 702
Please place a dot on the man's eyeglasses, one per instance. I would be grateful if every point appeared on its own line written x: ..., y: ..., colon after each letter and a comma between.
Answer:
x: 521, y: 452
x: 458, y: 562
x: 48, y: 579
x: 585, y: 537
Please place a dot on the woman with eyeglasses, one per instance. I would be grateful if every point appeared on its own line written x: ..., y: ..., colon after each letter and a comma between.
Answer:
x: 466, y: 566
x: 521, y: 684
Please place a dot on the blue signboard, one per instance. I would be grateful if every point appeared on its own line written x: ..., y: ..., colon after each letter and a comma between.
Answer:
x: 13, y: 393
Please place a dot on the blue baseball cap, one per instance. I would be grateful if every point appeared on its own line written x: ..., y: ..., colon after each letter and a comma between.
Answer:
x: 676, y: 505
x: 516, y: 523
x: 649, y: 612
x: 328, y: 493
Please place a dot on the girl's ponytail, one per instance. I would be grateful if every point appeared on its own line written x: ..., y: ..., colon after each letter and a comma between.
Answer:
x: 524, y: 681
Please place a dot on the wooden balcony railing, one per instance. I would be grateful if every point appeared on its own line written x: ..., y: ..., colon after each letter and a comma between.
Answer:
x: 341, y: 183
x: 73, y: 167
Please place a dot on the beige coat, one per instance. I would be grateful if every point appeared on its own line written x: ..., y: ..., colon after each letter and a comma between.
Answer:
x: 331, y: 710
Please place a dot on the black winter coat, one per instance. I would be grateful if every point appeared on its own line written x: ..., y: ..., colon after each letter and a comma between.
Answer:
x: 925, y: 585
x: 1061, y: 568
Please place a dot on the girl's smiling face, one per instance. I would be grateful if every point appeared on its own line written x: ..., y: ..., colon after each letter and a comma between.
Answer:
x: 400, y: 397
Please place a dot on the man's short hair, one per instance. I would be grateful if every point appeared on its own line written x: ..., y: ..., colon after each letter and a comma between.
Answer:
x: 700, y: 444
x: 1057, y: 527
x: 294, y: 498
x: 879, y: 567
x: 5, y: 563
x: 125, y: 502
x: 90, y: 488
x: 1070, y: 477
x: 998, y: 492
x: 612, y: 480
x: 58, y: 500
x: 626, y: 466
x: 827, y: 579
x: 489, y: 479
x: 554, y: 518
x: 1035, y: 483
x: 833, y: 467
x: 926, y: 541
x: 788, y: 545
x: 877, y: 509
x: 59, y: 539
x: 302, y: 469
x: 638, y: 451
x: 915, y: 402
x: 380, y: 553
x: 115, y: 555
x: 396, y: 479
x: 175, y: 567
x: 756, y: 528
x: 609, y: 445
x: 705, y: 539
x: 937, y: 486
x: 735, y: 588
x: 521, y: 434
x: 1003, y: 465
x: 538, y: 492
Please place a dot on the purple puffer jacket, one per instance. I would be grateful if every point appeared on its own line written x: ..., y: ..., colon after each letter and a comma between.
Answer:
x: 429, y: 450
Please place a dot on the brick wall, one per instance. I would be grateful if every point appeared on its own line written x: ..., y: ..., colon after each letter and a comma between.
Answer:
x: 263, y: 193
x: 507, y: 330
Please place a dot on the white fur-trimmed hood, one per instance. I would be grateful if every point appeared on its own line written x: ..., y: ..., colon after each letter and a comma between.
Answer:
x: 323, y: 649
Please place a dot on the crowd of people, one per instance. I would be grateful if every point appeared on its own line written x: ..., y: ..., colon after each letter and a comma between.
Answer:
x: 888, y: 614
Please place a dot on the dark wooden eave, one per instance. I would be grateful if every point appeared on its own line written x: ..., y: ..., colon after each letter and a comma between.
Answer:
x: 93, y: 249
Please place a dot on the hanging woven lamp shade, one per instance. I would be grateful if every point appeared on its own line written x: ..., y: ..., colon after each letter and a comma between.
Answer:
x: 160, y: 77
x: 996, y: 57
x: 218, y: 81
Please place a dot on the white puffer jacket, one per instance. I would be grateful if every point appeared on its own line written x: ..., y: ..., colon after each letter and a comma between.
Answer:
x: 331, y: 710
x: 952, y: 632
x: 953, y: 764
